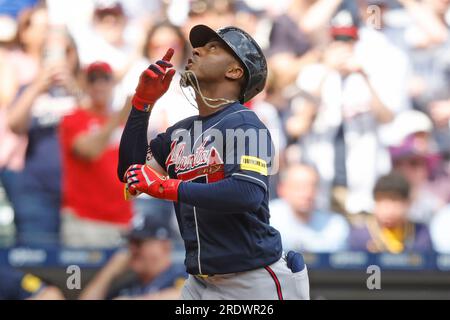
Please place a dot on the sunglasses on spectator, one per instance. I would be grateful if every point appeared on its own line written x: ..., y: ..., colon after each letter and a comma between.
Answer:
x: 93, y: 77
x: 412, y: 162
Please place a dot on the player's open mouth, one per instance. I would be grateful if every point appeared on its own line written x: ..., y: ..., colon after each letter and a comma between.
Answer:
x: 189, y: 64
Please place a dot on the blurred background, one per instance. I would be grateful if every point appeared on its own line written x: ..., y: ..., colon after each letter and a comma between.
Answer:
x: 357, y: 98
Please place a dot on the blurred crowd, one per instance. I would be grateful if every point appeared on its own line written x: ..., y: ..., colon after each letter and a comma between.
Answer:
x: 357, y: 98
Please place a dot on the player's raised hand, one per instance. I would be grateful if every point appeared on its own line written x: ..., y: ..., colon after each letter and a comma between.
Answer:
x: 143, y: 178
x: 154, y: 82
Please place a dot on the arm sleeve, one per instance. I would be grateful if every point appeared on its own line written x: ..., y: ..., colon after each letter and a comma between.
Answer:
x: 249, y: 156
x: 133, y: 144
x: 228, y: 195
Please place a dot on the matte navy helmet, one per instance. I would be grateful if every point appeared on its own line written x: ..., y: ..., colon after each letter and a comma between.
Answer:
x: 246, y: 50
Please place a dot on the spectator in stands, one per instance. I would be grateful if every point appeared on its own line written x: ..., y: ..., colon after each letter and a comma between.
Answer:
x: 23, y: 62
x: 388, y: 229
x: 90, y: 137
x: 439, y: 230
x: 213, y: 13
x: 301, y: 225
x: 298, y: 34
x: 416, y: 157
x: 309, y: 19
x: 388, y: 67
x: 20, y: 57
x: 17, y: 285
x: 36, y: 112
x: 344, y: 112
x: 109, y: 37
x: 149, y: 257
x: 427, y: 37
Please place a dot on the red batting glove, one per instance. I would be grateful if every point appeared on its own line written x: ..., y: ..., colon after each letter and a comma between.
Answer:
x: 143, y: 178
x: 153, y: 83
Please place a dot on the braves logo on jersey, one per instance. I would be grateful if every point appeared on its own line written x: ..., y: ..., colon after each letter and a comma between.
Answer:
x: 205, y: 161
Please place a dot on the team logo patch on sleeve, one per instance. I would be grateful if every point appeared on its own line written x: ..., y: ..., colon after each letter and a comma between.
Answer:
x: 255, y: 164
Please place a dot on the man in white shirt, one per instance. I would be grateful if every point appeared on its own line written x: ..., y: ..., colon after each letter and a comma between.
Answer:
x: 302, y: 227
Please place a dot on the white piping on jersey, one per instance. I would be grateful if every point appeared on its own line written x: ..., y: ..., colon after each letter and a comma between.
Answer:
x: 217, y: 124
x: 195, y: 210
x: 198, y: 242
x: 244, y: 175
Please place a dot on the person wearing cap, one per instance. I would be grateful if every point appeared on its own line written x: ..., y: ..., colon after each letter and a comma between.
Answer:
x: 90, y: 140
x: 422, y: 166
x: 149, y: 258
x: 215, y: 168
x: 414, y: 152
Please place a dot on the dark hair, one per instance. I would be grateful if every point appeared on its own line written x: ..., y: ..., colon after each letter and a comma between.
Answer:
x: 165, y: 24
x: 393, y: 184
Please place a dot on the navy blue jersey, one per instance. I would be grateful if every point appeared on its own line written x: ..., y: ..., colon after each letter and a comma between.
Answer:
x: 209, y: 149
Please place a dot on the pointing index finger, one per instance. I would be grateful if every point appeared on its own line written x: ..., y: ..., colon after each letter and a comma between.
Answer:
x: 168, y: 55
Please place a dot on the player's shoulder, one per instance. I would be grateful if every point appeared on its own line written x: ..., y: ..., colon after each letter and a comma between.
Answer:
x: 239, y: 116
x: 182, y: 124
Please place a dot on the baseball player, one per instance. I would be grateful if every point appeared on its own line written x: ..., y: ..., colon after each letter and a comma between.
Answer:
x: 218, y: 184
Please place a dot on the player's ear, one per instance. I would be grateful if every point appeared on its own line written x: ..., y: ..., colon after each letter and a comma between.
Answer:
x: 234, y: 72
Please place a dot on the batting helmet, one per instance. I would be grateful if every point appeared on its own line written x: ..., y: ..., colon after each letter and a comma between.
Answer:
x: 246, y: 50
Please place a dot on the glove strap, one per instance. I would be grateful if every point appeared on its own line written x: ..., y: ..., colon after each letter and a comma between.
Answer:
x: 141, y: 104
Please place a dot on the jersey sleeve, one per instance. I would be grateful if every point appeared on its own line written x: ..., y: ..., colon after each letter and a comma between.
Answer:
x: 249, y: 154
x: 159, y: 149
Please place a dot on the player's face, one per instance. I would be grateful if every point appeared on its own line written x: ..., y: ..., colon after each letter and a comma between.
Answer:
x: 210, y: 62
